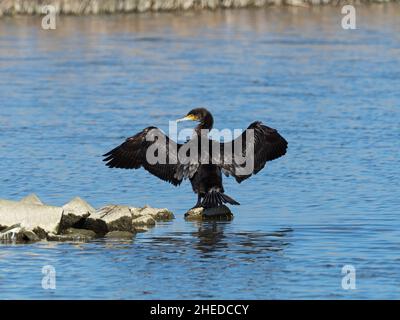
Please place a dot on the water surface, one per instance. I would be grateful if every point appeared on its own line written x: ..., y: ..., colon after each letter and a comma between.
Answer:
x: 69, y: 95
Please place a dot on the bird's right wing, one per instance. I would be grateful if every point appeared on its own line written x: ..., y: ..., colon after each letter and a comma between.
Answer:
x: 142, y: 149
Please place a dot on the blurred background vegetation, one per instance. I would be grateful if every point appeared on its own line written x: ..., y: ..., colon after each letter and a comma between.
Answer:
x: 83, y: 7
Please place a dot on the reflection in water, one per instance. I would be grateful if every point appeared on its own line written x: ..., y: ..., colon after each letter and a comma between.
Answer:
x: 211, y: 238
x: 215, y: 238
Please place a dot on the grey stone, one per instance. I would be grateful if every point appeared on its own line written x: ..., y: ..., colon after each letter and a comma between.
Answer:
x: 78, y: 207
x: 143, y: 228
x: 96, y: 225
x: 30, y: 216
x: 158, y: 214
x: 30, y: 236
x: 146, y: 220
x: 37, y: 221
x: 10, y: 234
x: 78, y: 214
x: 120, y: 235
x: 74, y: 213
x: 72, y: 234
x: 117, y: 218
x: 70, y: 220
x: 42, y: 234
x: 17, y: 234
x: 32, y: 199
x: 218, y: 213
x: 83, y: 232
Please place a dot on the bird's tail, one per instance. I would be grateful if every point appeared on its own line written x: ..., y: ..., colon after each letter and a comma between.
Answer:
x: 214, y: 198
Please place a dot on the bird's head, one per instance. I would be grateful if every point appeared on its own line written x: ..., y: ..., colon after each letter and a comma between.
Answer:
x: 197, y: 114
x: 201, y: 115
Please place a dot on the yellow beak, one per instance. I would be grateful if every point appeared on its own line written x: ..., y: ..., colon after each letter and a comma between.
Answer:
x: 190, y: 117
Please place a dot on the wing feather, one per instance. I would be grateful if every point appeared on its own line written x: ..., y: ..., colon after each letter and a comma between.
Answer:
x: 132, y: 154
x: 267, y: 145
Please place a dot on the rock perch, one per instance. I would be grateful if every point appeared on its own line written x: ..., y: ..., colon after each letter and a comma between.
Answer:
x: 219, y: 213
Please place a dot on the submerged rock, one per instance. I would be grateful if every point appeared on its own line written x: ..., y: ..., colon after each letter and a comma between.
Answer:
x: 141, y: 229
x: 73, y: 234
x: 120, y: 235
x: 218, y: 213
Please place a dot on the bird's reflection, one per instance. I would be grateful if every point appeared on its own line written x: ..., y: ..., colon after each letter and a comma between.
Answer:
x: 212, y: 237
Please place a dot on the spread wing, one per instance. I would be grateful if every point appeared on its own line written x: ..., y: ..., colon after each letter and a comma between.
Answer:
x: 133, y: 154
x: 243, y: 157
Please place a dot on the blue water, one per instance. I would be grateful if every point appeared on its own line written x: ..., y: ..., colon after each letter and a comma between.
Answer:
x: 69, y: 95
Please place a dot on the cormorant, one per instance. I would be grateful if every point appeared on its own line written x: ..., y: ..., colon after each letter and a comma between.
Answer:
x: 257, y: 145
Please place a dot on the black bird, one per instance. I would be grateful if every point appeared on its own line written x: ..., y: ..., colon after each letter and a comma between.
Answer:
x: 257, y: 145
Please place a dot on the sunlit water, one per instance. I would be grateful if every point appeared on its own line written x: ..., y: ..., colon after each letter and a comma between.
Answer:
x: 69, y: 95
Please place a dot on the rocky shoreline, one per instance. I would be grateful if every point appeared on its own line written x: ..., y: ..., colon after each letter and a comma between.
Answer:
x: 30, y: 220
x: 88, y: 7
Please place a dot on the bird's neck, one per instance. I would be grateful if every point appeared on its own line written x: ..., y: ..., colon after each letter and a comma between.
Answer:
x: 205, y: 124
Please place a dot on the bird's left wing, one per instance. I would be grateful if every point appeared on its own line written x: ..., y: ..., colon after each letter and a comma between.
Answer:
x: 248, y: 153
x: 145, y: 149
